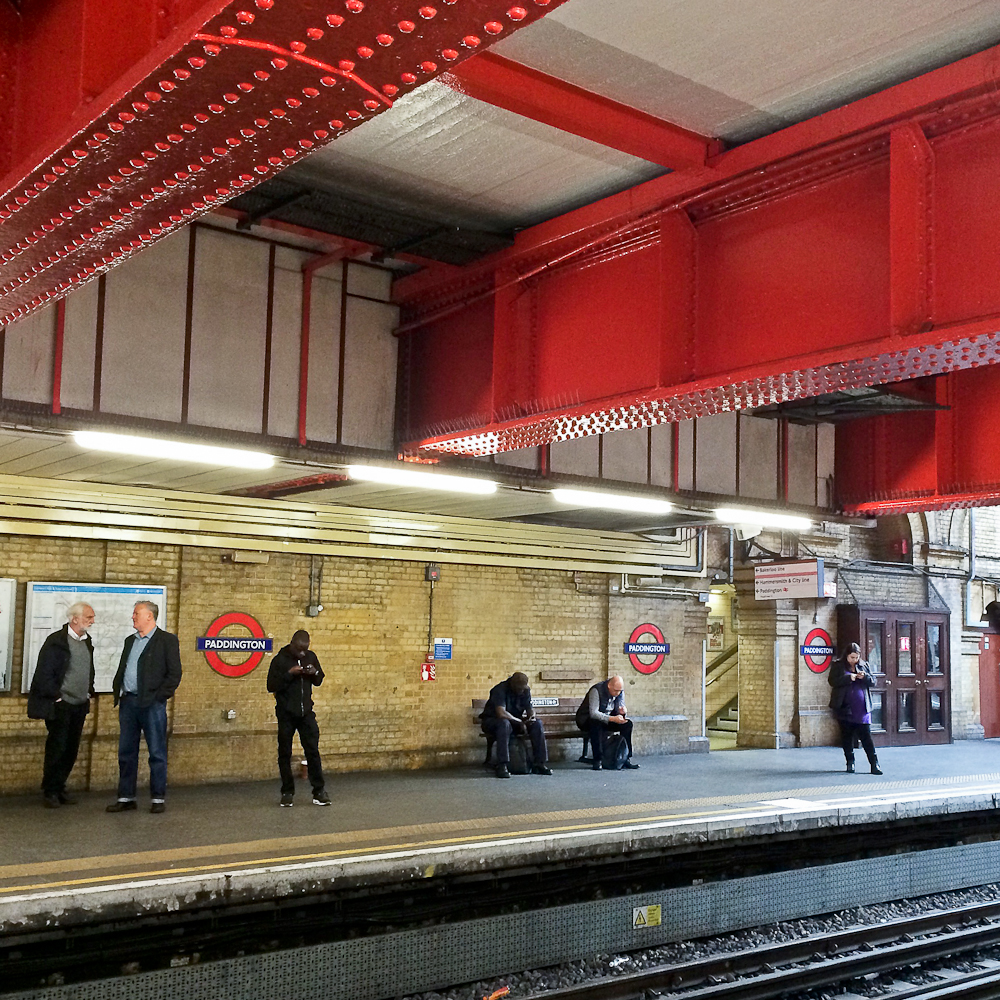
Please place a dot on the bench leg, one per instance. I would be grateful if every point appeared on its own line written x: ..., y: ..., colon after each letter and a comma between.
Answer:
x: 586, y: 743
x: 489, y: 750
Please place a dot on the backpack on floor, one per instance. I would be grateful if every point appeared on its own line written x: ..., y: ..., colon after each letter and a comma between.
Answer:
x: 521, y: 757
x: 615, y: 752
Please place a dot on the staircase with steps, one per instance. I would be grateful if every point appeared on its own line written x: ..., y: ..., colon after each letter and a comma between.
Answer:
x: 723, y: 726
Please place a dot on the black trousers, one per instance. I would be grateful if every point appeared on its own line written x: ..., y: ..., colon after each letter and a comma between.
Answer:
x: 62, y: 745
x: 600, y: 731
x: 863, y: 732
x: 308, y: 730
x: 501, y: 729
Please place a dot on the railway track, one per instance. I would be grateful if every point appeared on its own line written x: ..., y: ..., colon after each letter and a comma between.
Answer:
x: 822, y: 961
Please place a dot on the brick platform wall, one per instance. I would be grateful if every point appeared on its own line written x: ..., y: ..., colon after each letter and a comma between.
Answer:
x: 374, y: 711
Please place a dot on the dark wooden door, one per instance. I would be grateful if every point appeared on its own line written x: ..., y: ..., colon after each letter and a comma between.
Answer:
x: 908, y: 654
x: 989, y: 684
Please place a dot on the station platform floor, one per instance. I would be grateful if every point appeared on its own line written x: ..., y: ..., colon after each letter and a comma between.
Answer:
x: 232, y: 843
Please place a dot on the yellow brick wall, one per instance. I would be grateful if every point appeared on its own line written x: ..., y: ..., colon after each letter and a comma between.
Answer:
x: 374, y: 712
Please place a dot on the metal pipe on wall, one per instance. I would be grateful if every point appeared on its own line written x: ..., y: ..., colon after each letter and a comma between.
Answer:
x: 777, y: 694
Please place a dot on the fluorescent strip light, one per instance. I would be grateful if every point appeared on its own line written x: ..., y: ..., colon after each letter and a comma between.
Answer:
x: 177, y: 451
x: 612, y: 501
x: 766, y: 519
x: 420, y: 480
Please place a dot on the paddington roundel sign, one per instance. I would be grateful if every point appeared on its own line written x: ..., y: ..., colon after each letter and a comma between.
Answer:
x: 213, y: 642
x: 639, y: 645
x: 818, y: 650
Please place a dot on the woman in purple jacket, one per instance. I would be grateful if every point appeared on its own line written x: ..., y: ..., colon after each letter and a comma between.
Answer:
x: 851, y: 703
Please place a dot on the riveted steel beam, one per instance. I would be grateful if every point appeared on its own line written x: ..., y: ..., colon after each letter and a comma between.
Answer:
x: 852, y: 250
x: 229, y: 98
x: 532, y: 94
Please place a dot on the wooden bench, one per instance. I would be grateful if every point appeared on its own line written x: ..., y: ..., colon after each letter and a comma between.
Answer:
x: 557, y: 716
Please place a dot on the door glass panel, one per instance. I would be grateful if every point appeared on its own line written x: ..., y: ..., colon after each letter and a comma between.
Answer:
x: 904, y: 648
x: 934, y: 649
x: 935, y: 712
x: 874, y: 642
x: 878, y: 718
x: 905, y: 716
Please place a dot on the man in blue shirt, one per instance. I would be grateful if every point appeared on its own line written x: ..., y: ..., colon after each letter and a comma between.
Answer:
x: 148, y: 675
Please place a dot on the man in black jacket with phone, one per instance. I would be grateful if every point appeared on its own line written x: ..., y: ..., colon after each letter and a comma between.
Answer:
x: 148, y: 675
x: 293, y: 673
x: 61, y: 688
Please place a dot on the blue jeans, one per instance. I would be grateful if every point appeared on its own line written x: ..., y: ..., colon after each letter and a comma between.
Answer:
x: 151, y: 722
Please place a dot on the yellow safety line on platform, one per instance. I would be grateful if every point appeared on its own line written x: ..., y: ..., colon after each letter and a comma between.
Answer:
x: 621, y: 813
x: 322, y: 855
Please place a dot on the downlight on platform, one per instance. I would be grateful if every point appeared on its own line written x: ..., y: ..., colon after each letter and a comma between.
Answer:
x: 420, y: 480
x: 765, y: 518
x: 612, y: 501
x: 177, y: 451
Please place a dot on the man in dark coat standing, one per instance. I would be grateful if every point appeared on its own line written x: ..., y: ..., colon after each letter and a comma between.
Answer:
x: 148, y: 675
x: 293, y: 673
x: 60, y: 693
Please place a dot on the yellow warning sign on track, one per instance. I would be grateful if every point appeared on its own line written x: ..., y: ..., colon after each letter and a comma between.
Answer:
x: 646, y: 916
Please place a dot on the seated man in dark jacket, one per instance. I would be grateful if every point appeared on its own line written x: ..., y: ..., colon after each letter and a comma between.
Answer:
x: 601, y: 713
x: 294, y: 672
x: 61, y: 689
x: 509, y: 711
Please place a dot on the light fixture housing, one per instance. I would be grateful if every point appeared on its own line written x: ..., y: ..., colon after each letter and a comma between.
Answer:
x: 765, y: 518
x: 157, y: 449
x: 420, y: 480
x: 612, y: 501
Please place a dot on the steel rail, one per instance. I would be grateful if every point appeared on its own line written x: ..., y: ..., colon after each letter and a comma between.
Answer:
x: 983, y: 983
x: 807, y: 963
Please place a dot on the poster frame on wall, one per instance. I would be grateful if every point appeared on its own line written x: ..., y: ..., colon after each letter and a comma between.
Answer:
x: 8, y: 610
x: 44, y: 613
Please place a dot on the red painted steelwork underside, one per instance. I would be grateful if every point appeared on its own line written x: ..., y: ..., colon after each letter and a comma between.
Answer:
x: 855, y: 249
x: 226, y: 100
x: 543, y: 98
x: 931, y: 460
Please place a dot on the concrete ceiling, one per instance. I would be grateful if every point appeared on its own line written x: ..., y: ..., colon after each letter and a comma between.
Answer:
x: 739, y: 69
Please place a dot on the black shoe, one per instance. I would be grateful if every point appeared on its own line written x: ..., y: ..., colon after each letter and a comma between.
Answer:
x: 66, y: 800
x: 51, y: 801
x: 850, y: 767
x: 630, y: 766
x: 321, y: 798
x: 597, y: 766
x: 121, y: 806
x: 502, y: 771
x: 584, y: 759
x: 541, y: 769
x: 875, y: 768
x: 158, y: 807
x: 287, y: 801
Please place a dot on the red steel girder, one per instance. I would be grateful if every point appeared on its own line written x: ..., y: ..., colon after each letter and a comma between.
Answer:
x: 220, y: 105
x: 929, y: 460
x: 957, y: 95
x: 897, y: 360
x: 532, y: 94
x: 855, y: 249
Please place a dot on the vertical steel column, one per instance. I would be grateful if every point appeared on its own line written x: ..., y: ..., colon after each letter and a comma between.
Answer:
x: 911, y: 181
x: 308, y: 269
x: 57, y: 356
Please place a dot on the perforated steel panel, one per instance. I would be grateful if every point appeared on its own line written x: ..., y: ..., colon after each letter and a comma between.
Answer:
x: 391, y: 965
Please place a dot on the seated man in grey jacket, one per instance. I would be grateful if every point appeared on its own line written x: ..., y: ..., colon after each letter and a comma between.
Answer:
x: 603, y: 712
